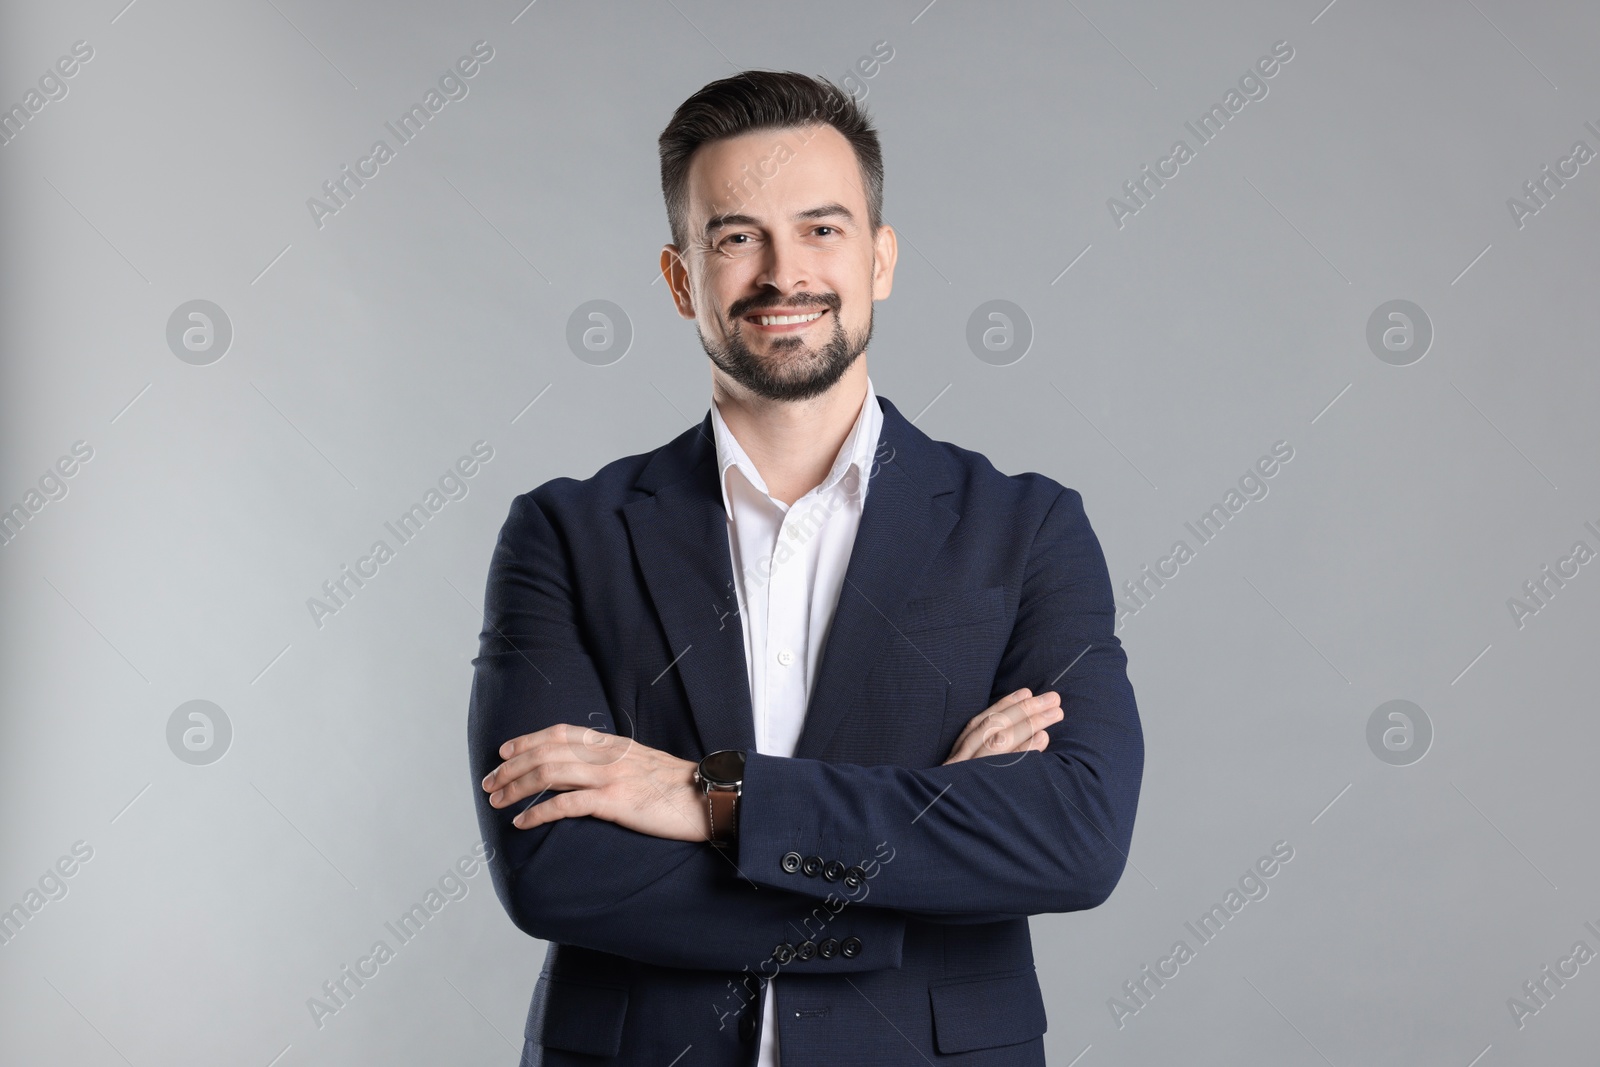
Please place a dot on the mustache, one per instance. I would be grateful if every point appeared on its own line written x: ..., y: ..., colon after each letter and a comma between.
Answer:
x: 807, y: 302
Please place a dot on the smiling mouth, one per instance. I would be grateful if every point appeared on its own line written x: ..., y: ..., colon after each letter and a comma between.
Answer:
x: 791, y: 321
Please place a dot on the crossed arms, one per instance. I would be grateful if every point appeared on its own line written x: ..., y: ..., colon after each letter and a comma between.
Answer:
x: 617, y: 858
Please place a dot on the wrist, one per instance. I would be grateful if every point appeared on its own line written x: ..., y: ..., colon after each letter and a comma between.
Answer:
x: 719, y: 777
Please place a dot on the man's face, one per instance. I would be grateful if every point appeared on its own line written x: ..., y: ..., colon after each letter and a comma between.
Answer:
x: 777, y: 226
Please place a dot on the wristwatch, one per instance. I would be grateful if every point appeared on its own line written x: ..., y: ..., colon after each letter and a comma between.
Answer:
x: 720, y: 777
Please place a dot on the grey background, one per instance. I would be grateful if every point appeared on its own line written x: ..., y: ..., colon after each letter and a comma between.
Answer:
x: 1228, y: 314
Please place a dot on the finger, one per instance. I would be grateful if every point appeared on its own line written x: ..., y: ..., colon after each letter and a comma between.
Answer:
x: 1013, y: 721
x: 556, y: 731
x: 528, y: 757
x: 985, y: 740
x: 518, y: 745
x: 1017, y: 708
x: 1004, y: 739
x: 1042, y: 711
x: 1015, y: 711
x: 553, y: 769
x: 569, y: 756
x: 563, y: 739
x: 560, y: 806
x: 1009, y: 701
x: 1046, y: 717
x: 981, y: 732
x: 1008, y: 733
x: 523, y: 742
x: 561, y: 731
x: 1039, y: 739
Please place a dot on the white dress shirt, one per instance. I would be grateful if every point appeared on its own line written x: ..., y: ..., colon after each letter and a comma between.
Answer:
x: 788, y: 569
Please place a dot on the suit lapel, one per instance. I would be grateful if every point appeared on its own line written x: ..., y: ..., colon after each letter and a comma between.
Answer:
x: 680, y: 539
x: 903, y: 526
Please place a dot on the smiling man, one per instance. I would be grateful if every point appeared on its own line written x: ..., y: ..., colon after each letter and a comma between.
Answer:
x: 782, y: 730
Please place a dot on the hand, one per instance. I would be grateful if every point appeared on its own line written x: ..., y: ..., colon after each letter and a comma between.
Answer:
x: 610, y: 777
x: 1014, y: 723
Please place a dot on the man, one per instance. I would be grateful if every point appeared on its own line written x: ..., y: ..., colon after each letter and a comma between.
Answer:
x: 802, y: 694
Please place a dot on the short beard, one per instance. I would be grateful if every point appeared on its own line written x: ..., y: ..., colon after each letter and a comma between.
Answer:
x: 811, y: 372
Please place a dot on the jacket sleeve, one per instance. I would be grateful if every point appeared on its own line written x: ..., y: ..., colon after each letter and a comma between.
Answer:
x: 588, y: 882
x: 994, y: 836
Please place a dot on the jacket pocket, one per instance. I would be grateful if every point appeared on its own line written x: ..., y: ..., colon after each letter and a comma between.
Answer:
x: 942, y: 611
x: 971, y: 1013
x: 578, y: 1015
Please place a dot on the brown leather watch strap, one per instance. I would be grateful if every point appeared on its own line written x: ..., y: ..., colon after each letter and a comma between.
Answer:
x: 724, y: 816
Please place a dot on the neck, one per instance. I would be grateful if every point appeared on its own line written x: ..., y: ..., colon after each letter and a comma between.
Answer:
x: 792, y: 443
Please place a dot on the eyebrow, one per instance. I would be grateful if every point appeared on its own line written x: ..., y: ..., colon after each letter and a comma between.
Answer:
x: 826, y: 211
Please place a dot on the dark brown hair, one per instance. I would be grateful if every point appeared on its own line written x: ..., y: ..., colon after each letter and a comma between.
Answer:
x: 761, y: 100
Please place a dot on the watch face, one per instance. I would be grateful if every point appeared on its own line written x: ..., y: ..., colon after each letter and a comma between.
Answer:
x: 724, y: 768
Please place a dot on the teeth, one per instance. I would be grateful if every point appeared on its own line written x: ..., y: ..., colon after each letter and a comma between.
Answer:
x: 785, y: 320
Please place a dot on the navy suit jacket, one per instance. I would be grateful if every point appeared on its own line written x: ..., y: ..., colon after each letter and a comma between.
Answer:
x: 889, y: 893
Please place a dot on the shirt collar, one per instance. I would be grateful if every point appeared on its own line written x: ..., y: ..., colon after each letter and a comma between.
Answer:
x: 855, y: 454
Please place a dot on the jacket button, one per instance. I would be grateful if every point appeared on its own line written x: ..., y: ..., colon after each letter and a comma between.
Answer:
x: 854, y: 876
x: 783, y: 953
x: 812, y: 866
x: 850, y: 947
x: 805, y: 950
x: 828, y: 947
x: 747, y: 1026
x: 790, y: 862
x: 833, y: 870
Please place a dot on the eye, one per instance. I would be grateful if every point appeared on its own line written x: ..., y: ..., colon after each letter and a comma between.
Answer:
x: 827, y: 228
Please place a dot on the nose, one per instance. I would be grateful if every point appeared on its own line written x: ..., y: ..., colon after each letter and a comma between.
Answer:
x: 786, y: 265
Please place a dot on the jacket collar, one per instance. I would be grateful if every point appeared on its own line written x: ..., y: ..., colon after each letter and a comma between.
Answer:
x: 680, y: 539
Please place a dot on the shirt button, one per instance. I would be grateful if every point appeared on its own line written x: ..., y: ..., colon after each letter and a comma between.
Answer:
x: 786, y: 657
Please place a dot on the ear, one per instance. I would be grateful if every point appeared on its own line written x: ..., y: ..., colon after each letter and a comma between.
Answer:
x: 676, y: 272
x: 885, y: 251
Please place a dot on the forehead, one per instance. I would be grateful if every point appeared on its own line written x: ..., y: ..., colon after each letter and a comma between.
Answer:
x: 773, y: 173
